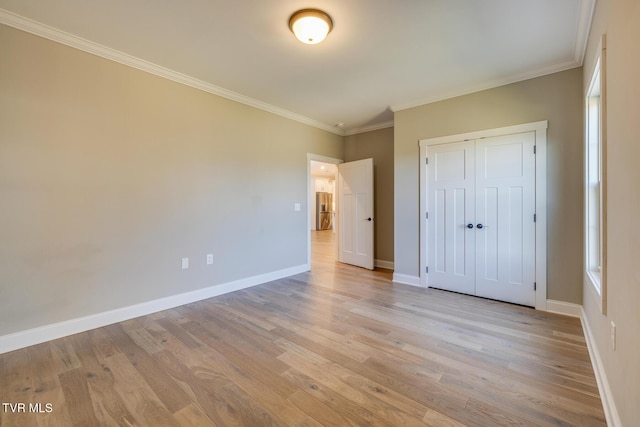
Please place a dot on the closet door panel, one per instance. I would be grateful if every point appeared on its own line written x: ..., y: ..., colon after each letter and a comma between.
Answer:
x: 505, y: 228
x: 450, y: 201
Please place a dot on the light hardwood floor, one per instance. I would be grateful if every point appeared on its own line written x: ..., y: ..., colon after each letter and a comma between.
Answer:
x: 337, y: 346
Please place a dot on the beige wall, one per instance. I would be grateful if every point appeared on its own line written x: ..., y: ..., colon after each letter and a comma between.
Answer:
x: 109, y: 176
x: 620, y: 20
x: 379, y: 146
x: 556, y: 98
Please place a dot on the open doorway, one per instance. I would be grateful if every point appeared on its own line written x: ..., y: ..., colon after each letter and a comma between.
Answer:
x: 322, y: 221
x: 323, y: 193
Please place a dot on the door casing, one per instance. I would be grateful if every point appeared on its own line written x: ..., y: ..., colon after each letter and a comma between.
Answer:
x: 540, y: 129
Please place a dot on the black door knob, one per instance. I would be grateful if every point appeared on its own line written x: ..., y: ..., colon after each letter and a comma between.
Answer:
x: 469, y: 225
x: 369, y: 219
x: 480, y: 226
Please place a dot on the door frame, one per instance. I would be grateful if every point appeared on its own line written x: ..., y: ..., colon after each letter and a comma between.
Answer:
x: 540, y: 129
x: 323, y: 159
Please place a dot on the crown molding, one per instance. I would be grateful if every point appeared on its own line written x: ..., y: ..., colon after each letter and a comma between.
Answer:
x: 491, y: 84
x: 587, y: 9
x: 369, y: 128
x: 25, y: 24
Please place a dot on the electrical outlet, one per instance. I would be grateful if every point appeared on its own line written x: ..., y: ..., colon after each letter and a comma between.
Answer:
x: 209, y: 259
x: 185, y: 263
x: 296, y: 207
x: 613, y: 336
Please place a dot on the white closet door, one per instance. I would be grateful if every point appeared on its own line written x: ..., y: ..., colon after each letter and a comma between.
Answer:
x: 450, y: 200
x: 481, y: 205
x: 505, y: 228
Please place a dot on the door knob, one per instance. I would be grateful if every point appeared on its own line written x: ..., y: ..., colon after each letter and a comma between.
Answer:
x: 369, y: 219
x: 480, y: 226
x: 469, y: 225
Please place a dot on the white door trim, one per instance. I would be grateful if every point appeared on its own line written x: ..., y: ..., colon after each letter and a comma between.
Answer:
x: 324, y: 159
x: 540, y: 129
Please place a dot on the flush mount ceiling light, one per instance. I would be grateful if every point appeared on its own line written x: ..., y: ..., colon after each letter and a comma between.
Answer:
x: 310, y: 26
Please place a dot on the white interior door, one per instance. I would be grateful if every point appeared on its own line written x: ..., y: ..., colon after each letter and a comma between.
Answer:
x: 505, y: 207
x: 451, y: 201
x: 355, y: 189
x: 481, y: 229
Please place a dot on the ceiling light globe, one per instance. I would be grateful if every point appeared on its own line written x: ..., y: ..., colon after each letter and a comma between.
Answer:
x: 310, y: 26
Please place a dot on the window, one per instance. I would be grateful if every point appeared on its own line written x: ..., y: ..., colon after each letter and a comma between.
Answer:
x: 594, y: 179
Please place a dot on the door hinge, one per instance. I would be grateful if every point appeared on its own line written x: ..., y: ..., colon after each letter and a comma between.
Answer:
x: 426, y: 215
x: 426, y: 160
x: 535, y: 286
x: 534, y: 149
x: 426, y: 269
x: 534, y: 217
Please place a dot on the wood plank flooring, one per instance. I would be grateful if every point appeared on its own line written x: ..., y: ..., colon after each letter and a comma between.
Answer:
x: 338, y: 346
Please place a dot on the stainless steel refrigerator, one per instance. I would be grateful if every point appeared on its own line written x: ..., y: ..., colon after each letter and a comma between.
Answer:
x: 324, y: 219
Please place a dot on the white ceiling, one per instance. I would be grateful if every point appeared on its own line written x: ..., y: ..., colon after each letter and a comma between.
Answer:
x: 323, y: 170
x: 381, y: 56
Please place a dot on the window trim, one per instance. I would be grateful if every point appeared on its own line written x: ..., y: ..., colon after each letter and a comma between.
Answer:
x: 596, y: 284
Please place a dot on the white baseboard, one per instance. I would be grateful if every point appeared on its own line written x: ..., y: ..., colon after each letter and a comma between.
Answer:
x: 81, y: 324
x: 566, y: 308
x: 380, y: 263
x: 405, y: 279
x: 608, y: 404
x: 576, y: 310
